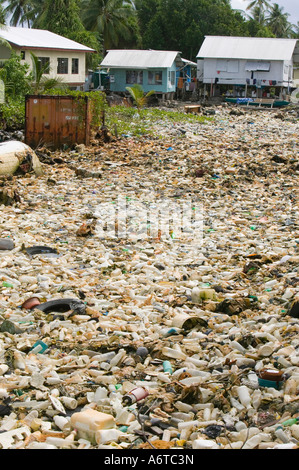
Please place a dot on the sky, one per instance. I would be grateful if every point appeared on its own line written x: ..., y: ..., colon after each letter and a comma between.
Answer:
x: 289, y: 6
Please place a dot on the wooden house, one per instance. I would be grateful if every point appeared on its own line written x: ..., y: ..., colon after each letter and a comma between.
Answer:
x: 246, y: 66
x: 152, y: 69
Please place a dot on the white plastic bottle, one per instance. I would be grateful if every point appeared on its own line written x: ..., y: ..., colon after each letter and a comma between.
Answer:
x: 244, y: 396
x: 279, y: 432
x: 253, y: 442
x: 173, y: 353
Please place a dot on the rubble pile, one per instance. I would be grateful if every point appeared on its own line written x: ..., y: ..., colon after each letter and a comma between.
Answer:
x: 155, y: 340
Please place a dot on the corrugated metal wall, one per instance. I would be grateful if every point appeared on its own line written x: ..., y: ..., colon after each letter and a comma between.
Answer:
x: 56, y: 121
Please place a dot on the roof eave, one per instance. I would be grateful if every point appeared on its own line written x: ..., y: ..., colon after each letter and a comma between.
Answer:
x: 42, y: 48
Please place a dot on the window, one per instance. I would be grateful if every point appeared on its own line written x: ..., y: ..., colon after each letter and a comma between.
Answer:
x: 256, y: 66
x: 62, y: 65
x: 45, y: 64
x: 155, y: 77
x: 134, y: 76
x: 171, y: 77
x: 226, y: 65
x: 75, y: 66
x: 23, y: 54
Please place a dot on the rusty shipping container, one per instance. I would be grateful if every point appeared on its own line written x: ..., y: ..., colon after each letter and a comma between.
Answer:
x: 56, y: 121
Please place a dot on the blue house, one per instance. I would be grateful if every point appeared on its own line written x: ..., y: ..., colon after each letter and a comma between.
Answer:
x: 153, y: 70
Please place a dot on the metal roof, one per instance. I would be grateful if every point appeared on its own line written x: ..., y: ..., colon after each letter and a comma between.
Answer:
x: 140, y: 59
x: 29, y: 38
x: 189, y: 62
x: 230, y: 47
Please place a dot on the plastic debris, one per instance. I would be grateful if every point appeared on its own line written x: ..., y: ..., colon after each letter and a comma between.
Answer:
x: 147, y: 340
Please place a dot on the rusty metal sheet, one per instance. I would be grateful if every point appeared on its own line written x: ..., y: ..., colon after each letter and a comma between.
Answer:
x: 56, y: 121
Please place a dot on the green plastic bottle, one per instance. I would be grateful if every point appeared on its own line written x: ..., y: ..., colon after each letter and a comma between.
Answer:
x: 290, y: 422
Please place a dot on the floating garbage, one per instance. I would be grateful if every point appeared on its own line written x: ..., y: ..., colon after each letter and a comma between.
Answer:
x: 43, y: 250
x: 62, y: 306
x: 119, y: 334
x: 6, y: 244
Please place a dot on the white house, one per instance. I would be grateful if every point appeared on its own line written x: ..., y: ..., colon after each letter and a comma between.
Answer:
x: 246, y: 64
x: 61, y: 57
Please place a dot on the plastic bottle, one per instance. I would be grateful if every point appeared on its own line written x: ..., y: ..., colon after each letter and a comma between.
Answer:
x: 204, y: 444
x: 62, y: 422
x: 167, y: 367
x: 279, y: 432
x: 19, y: 362
x: 6, y: 284
x: 164, y: 378
x: 181, y: 406
x: 295, y: 431
x: 240, y: 425
x: 256, y: 399
x: 104, y: 357
x: 174, y: 354
x: 238, y: 346
x: 290, y: 422
x: 135, y: 395
x: 253, y: 442
x: 117, y: 359
x: 69, y: 402
x: 243, y: 393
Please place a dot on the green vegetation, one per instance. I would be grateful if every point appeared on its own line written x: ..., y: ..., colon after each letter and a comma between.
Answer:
x: 138, y: 96
x: 127, y: 121
x: 16, y: 77
x: 149, y: 24
x: 40, y: 82
x: 17, y: 81
x: 97, y: 103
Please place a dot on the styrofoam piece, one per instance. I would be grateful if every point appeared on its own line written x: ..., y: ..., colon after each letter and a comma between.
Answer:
x: 8, y: 438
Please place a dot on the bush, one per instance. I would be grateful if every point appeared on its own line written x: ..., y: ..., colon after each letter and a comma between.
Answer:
x: 12, y: 114
x: 16, y: 77
x: 97, y: 100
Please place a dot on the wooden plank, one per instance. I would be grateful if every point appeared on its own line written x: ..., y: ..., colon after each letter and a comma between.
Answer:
x: 261, y: 101
x: 192, y: 108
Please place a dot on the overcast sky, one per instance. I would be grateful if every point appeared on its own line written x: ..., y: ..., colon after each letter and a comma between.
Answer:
x: 289, y: 6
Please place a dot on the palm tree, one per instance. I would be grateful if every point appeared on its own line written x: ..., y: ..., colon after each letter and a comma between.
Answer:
x: 138, y: 96
x: 259, y: 15
x: 278, y: 22
x: 261, y: 4
x: 19, y: 10
x: 295, y: 32
x: 40, y: 83
x: 36, y: 13
x: 109, y: 18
